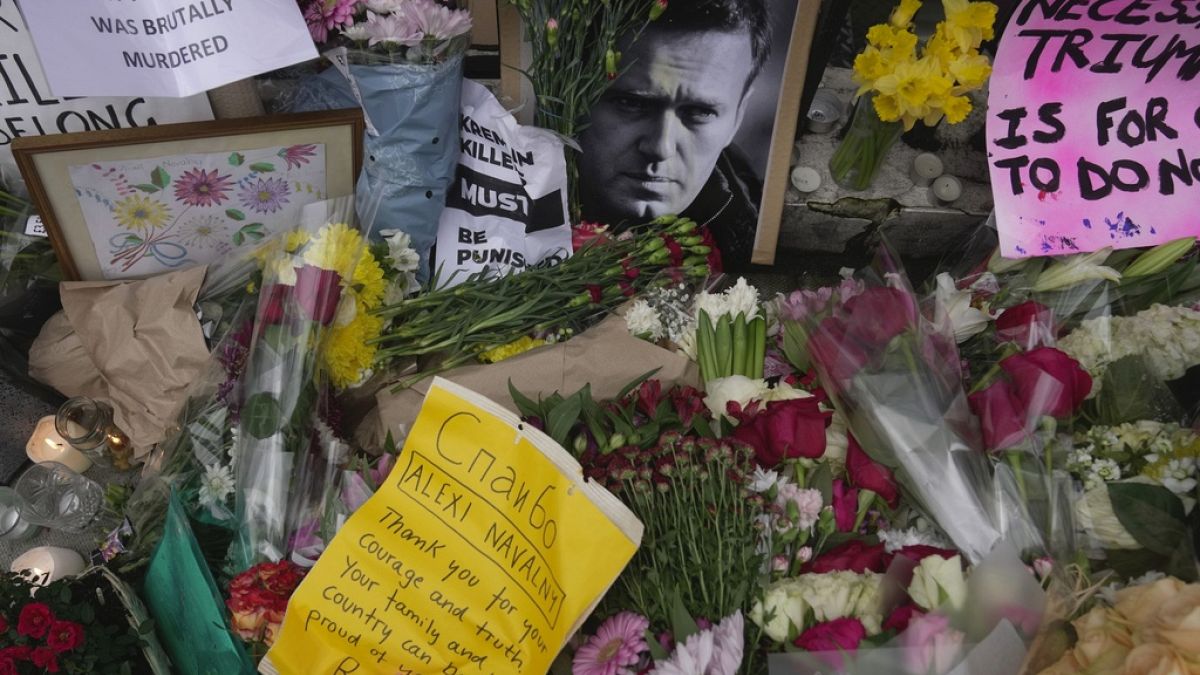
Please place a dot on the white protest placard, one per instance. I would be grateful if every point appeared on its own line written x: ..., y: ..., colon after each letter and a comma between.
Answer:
x: 27, y: 108
x: 163, y: 47
x: 1093, y: 125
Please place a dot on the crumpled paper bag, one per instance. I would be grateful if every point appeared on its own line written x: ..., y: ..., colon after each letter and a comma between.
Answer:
x: 135, y: 344
x: 605, y: 356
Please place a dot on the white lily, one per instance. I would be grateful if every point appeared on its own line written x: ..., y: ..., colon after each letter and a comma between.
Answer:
x: 1076, y: 269
x: 955, y: 305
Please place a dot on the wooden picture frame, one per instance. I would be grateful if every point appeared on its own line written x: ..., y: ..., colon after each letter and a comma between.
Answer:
x: 515, y: 91
x: 294, y: 147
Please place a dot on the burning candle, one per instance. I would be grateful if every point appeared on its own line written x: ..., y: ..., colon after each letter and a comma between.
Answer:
x: 49, y: 563
x: 47, y: 445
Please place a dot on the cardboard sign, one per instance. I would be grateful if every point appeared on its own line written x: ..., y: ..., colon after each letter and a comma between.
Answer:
x: 1094, y: 125
x: 27, y: 108
x: 482, y: 553
x: 163, y: 47
x: 506, y: 210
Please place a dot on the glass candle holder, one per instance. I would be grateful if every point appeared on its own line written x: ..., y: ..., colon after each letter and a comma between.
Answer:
x: 87, y: 424
x: 58, y: 498
x: 12, y: 526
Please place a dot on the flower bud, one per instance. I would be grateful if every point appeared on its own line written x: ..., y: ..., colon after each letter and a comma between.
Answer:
x: 552, y: 31
x: 657, y: 9
x: 611, y: 58
x: 1159, y: 258
x: 617, y: 440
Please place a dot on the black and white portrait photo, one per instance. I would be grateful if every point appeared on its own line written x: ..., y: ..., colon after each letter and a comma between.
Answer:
x: 687, y: 127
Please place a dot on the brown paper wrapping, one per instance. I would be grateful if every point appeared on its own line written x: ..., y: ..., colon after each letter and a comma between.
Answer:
x: 135, y: 344
x: 605, y: 356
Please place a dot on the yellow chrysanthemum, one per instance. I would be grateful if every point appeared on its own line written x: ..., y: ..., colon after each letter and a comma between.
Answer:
x: 337, y: 247
x: 518, y: 346
x: 904, y: 12
x: 292, y: 241
x: 969, y: 23
x: 970, y: 71
x: 347, y: 353
x: 138, y: 212
x: 368, y: 283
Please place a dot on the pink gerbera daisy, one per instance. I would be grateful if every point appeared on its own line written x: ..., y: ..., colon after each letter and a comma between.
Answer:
x: 198, y: 187
x: 614, y: 648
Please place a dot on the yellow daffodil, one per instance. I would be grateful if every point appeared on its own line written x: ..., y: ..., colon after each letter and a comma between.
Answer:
x: 138, y: 212
x: 913, y: 84
x: 887, y: 107
x: 957, y: 108
x: 902, y: 16
x: 969, y: 23
x: 970, y: 72
x: 869, y: 66
x: 897, y: 43
x: 337, y: 247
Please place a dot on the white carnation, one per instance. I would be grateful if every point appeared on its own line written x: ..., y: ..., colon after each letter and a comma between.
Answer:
x: 643, y: 321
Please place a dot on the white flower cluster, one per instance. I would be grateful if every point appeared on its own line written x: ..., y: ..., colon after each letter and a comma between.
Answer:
x: 1169, y: 338
x: 894, y: 540
x: 834, y: 595
x: 741, y: 298
x: 661, y: 313
x: 404, y: 259
x: 1165, y: 453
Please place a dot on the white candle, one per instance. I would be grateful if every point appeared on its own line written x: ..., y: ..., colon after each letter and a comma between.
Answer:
x: 46, y: 445
x: 806, y: 179
x: 947, y: 189
x: 926, y: 167
x: 49, y: 563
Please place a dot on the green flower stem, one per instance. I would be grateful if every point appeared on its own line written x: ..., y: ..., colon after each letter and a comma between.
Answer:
x: 862, y: 151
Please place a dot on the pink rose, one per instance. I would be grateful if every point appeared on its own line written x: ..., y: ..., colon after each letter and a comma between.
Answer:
x: 1048, y: 381
x: 930, y: 644
x: 832, y: 639
x: 1028, y: 324
x: 867, y: 474
x: 317, y: 292
x: 1001, y: 415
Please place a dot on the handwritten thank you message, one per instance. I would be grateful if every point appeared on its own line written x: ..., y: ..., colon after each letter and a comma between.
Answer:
x: 1094, y: 125
x: 482, y: 553
x: 163, y: 47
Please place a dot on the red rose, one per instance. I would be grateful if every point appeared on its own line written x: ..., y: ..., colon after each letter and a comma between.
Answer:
x: 1001, y: 415
x: 64, y: 636
x: 34, y: 620
x: 317, y: 292
x: 918, y: 552
x: 7, y: 666
x: 845, y: 505
x: 1028, y: 324
x: 834, y: 638
x: 648, y: 397
x: 838, y: 355
x: 1047, y: 381
x: 879, y: 314
x: 273, y: 303
x: 867, y: 474
x: 3, y: 624
x: 15, y: 654
x: 899, y: 618
x: 45, y: 658
x: 853, y: 555
x: 784, y: 430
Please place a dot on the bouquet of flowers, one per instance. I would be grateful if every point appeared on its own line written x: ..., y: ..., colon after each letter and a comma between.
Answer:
x: 903, y: 86
x: 257, y: 600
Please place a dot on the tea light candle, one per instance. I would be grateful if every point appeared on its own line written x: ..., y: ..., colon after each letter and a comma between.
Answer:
x: 46, y: 445
x: 49, y: 563
x: 806, y: 179
x: 925, y: 167
x: 947, y: 189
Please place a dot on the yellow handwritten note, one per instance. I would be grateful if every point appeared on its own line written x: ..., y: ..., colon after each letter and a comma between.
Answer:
x: 482, y: 553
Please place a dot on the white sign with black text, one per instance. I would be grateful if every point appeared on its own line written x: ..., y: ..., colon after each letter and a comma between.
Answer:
x: 507, y: 207
x: 163, y: 47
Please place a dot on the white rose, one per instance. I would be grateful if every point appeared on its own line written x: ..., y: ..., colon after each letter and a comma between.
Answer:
x: 836, y: 595
x: 783, y: 604
x: 738, y: 388
x: 939, y: 582
x: 1096, y: 516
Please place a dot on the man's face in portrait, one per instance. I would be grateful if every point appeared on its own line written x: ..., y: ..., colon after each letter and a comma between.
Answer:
x: 656, y: 134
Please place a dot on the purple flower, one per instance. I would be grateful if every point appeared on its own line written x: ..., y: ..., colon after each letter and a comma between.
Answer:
x: 323, y: 16
x: 266, y: 195
x: 198, y: 187
x: 355, y: 491
x: 298, y: 155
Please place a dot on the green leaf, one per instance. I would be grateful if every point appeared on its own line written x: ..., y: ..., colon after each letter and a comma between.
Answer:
x: 1151, y: 513
x: 682, y: 623
x: 238, y: 238
x: 260, y: 415
x: 1130, y: 392
x: 262, y: 167
x: 795, y: 345
x: 524, y: 404
x: 160, y: 177
x: 146, y: 187
x: 235, y: 214
x: 562, y: 418
x: 637, y: 382
x: 821, y: 479
x: 236, y: 159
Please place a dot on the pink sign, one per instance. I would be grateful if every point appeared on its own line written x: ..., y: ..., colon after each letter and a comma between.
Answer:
x: 1094, y: 125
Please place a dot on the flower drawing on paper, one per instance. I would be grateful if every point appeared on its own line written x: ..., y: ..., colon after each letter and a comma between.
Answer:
x: 297, y: 156
x: 138, y: 212
x: 265, y: 195
x: 206, y: 231
x: 198, y: 187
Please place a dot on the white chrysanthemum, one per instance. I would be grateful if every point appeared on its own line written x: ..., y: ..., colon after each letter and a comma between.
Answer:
x: 335, y: 449
x: 216, y: 485
x: 357, y: 32
x: 643, y: 321
x: 763, y: 479
x: 384, y: 6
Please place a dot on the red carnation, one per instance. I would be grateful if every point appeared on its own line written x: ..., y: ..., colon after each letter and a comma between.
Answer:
x: 34, y: 620
x: 64, y: 636
x: 870, y: 475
